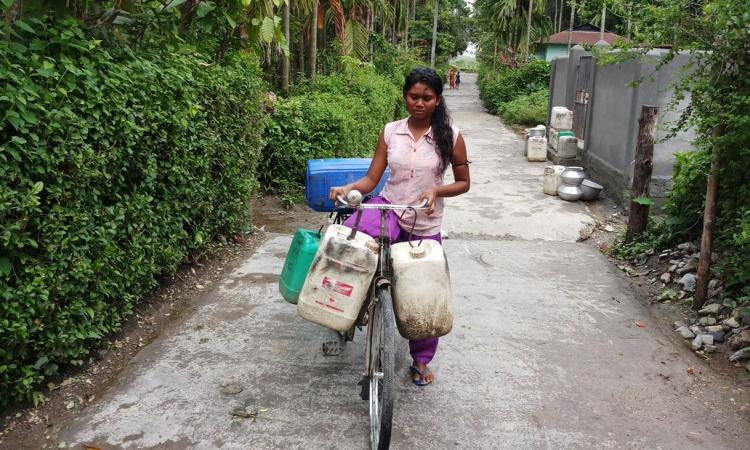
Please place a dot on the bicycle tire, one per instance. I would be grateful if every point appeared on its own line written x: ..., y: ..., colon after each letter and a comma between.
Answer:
x: 387, y: 366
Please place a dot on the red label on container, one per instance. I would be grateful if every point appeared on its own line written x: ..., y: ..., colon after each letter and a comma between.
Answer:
x: 330, y: 305
x: 337, y: 286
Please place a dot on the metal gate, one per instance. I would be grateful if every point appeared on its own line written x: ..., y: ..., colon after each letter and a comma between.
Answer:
x: 584, y: 85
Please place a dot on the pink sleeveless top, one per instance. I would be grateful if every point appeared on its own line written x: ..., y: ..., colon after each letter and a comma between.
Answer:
x: 414, y: 166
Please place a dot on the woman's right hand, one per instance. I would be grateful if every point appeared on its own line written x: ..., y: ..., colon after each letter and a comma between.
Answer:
x: 337, y: 191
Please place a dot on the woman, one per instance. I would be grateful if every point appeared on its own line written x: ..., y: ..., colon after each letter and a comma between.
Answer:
x: 418, y: 150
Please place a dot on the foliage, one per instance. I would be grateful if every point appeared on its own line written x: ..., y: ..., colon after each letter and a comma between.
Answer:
x: 503, y: 25
x: 528, y: 109
x: 114, y: 166
x: 715, y: 34
x: 212, y: 27
x: 505, y: 84
x: 340, y: 116
x: 454, y: 25
x: 655, y: 238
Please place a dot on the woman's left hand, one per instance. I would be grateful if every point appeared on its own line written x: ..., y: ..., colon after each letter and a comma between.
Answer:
x: 430, y: 195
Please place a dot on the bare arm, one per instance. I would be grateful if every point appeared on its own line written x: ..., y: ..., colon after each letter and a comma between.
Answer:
x: 374, y: 173
x: 462, y: 179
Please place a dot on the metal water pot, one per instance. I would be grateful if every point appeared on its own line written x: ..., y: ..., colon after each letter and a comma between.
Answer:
x: 573, y: 176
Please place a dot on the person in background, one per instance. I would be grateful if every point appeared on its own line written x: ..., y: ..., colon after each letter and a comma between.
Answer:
x: 418, y: 150
x: 458, y: 78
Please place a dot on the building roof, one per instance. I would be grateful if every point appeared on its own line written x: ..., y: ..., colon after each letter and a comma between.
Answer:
x: 585, y: 34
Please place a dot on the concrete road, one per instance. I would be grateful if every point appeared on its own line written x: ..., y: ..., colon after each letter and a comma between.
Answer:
x: 544, y: 353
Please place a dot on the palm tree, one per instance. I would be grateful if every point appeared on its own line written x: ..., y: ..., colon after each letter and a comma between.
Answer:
x: 511, y: 23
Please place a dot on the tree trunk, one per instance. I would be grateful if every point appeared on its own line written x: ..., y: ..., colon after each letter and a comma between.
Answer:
x: 284, y: 57
x: 528, y: 30
x: 312, y: 54
x: 604, y: 21
x: 434, y: 34
x: 394, y: 23
x: 407, y: 19
x: 413, y: 12
x: 494, y: 57
x: 560, y: 17
x: 630, y: 14
x: 709, y: 217
x: 301, y: 52
x: 644, y: 165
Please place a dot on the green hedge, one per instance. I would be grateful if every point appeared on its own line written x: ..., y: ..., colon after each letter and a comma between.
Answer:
x: 528, y: 109
x: 340, y: 116
x: 497, y: 87
x: 113, y: 167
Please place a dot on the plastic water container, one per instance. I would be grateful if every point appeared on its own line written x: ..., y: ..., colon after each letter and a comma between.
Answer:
x: 421, y: 290
x: 567, y: 147
x: 561, y: 118
x: 537, y: 148
x: 339, y: 278
x: 322, y: 174
x: 552, y: 179
x: 298, y: 260
x: 555, y: 135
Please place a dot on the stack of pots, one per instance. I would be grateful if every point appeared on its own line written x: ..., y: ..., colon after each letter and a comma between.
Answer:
x: 570, y: 184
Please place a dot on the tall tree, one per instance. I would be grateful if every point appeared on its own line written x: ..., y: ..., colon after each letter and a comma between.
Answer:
x: 434, y: 33
x: 285, y: 56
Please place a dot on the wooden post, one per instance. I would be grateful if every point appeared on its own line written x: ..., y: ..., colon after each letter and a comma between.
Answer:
x: 644, y: 164
x: 709, y: 217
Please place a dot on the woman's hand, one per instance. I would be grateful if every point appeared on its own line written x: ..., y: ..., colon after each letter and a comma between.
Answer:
x: 430, y: 195
x: 337, y: 191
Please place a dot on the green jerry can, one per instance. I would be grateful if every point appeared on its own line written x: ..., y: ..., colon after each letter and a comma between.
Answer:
x: 298, y: 260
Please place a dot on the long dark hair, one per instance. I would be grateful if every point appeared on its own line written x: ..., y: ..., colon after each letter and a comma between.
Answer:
x: 441, y: 120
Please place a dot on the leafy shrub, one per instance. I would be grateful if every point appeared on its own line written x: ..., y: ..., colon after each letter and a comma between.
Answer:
x: 528, y: 109
x: 505, y: 84
x: 341, y: 117
x: 113, y: 167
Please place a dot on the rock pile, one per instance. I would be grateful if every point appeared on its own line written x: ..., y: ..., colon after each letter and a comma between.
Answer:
x: 723, y: 323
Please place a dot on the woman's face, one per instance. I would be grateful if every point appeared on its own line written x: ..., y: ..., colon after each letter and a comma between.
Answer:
x: 421, y: 101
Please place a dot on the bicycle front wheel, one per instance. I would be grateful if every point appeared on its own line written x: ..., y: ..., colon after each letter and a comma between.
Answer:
x: 382, y: 370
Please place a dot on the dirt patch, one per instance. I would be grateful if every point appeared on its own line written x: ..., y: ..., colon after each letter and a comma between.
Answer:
x: 270, y: 213
x: 24, y: 426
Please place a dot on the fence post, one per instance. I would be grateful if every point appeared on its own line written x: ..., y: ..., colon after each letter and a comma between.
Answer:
x: 709, y: 217
x: 644, y: 165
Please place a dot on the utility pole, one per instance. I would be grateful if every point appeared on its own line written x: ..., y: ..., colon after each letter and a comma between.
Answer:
x: 434, y: 34
x: 604, y: 18
x: 570, y: 29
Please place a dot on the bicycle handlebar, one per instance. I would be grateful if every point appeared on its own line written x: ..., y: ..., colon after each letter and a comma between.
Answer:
x: 420, y: 206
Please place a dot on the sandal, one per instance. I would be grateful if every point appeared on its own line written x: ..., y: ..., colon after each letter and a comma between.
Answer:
x: 422, y: 374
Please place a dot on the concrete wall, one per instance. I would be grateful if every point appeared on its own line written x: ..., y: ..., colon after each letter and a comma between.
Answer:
x: 614, y: 107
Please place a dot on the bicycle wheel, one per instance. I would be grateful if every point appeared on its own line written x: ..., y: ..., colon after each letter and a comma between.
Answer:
x: 382, y: 370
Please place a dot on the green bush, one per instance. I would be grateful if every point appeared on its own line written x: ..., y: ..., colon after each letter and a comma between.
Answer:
x: 497, y: 87
x: 342, y: 116
x: 114, y: 167
x: 527, y: 109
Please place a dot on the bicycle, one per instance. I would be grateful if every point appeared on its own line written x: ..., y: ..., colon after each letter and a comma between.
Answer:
x: 377, y: 314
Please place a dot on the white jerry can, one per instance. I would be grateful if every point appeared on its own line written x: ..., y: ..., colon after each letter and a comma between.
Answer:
x: 537, y: 148
x: 421, y: 289
x: 552, y: 179
x: 561, y: 118
x: 339, y: 278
